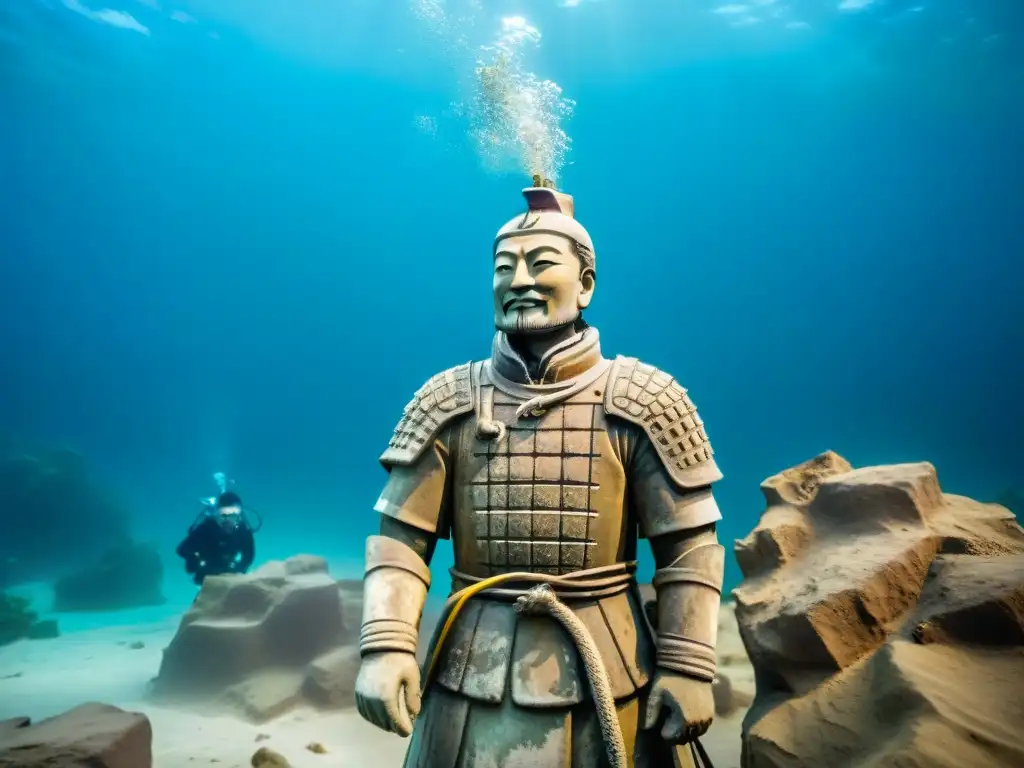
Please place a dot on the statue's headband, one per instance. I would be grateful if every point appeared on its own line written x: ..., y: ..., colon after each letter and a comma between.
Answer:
x: 548, y: 212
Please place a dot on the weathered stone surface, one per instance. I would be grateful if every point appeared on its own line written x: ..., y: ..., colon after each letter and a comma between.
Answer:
x: 977, y: 600
x: 906, y: 706
x: 784, y: 532
x: 90, y: 736
x: 885, y: 621
x: 351, y: 605
x: 265, y: 695
x: 251, y: 641
x: 331, y: 680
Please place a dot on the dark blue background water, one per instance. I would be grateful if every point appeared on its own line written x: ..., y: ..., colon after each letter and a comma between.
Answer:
x: 237, y: 252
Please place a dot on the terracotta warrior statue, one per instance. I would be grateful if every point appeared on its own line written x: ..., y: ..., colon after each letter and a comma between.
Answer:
x: 544, y: 464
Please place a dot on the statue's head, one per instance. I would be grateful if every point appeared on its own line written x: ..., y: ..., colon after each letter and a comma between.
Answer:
x: 544, y: 268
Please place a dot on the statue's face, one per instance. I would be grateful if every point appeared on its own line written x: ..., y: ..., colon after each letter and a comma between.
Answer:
x: 538, y: 284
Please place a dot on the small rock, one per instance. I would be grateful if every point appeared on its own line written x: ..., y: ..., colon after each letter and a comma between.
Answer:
x: 317, y: 748
x: 722, y: 690
x: 138, y: 644
x: 262, y: 736
x: 268, y: 758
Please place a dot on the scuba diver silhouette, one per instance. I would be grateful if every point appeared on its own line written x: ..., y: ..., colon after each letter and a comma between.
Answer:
x: 220, y: 540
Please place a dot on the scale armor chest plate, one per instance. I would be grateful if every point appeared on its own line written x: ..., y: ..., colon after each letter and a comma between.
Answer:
x: 546, y: 497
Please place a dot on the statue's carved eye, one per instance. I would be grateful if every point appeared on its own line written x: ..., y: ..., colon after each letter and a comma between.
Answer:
x: 502, y: 268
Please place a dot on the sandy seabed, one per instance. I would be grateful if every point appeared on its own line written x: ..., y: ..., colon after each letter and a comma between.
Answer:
x: 114, y: 664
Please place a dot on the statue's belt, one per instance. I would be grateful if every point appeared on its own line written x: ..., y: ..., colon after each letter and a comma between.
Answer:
x: 591, y: 584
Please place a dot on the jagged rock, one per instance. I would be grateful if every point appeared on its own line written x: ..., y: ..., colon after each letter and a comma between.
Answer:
x: 90, y: 736
x: 265, y: 642
x: 130, y: 576
x: 885, y: 622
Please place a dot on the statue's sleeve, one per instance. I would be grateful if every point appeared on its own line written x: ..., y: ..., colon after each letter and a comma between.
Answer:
x: 660, y: 503
x: 417, y: 493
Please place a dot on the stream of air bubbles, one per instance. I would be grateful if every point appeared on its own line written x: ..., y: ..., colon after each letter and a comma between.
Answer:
x: 513, y: 117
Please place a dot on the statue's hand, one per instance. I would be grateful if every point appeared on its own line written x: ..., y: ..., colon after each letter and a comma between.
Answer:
x: 687, y: 704
x: 388, y: 690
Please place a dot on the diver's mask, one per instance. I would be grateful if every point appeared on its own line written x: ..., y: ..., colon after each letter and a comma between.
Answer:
x: 229, y: 518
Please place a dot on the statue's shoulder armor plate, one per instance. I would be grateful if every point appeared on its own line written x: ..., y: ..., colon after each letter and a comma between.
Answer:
x: 444, y: 397
x: 658, y: 404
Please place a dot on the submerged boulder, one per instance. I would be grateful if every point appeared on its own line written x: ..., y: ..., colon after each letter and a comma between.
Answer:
x: 19, y: 622
x: 90, y: 736
x: 52, y: 512
x: 129, y: 576
x: 264, y: 642
x: 885, y: 622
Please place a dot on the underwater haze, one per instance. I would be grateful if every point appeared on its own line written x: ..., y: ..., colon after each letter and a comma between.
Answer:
x: 237, y: 235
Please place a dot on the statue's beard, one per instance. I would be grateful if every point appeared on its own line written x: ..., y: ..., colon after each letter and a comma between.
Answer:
x: 536, y: 322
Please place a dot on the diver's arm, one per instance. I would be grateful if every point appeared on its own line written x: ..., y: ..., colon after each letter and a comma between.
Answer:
x: 185, y: 549
x: 248, y: 551
x: 191, y: 543
x: 196, y: 546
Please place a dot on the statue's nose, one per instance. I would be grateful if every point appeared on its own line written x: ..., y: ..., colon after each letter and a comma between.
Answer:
x: 521, y: 278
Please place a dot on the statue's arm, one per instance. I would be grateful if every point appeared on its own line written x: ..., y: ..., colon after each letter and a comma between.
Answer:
x: 419, y: 541
x: 680, y: 523
x: 688, y: 583
x: 414, y: 513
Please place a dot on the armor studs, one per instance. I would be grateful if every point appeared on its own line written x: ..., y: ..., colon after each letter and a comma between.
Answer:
x: 438, y: 401
x: 654, y: 401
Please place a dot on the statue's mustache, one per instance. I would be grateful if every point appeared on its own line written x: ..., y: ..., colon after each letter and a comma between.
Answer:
x: 531, y: 297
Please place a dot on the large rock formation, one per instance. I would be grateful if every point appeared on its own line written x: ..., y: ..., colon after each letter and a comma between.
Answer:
x: 885, y: 622
x: 265, y: 642
x: 90, y: 736
x: 52, y: 513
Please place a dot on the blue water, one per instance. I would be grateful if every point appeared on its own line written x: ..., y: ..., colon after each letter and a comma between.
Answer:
x: 227, y: 244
